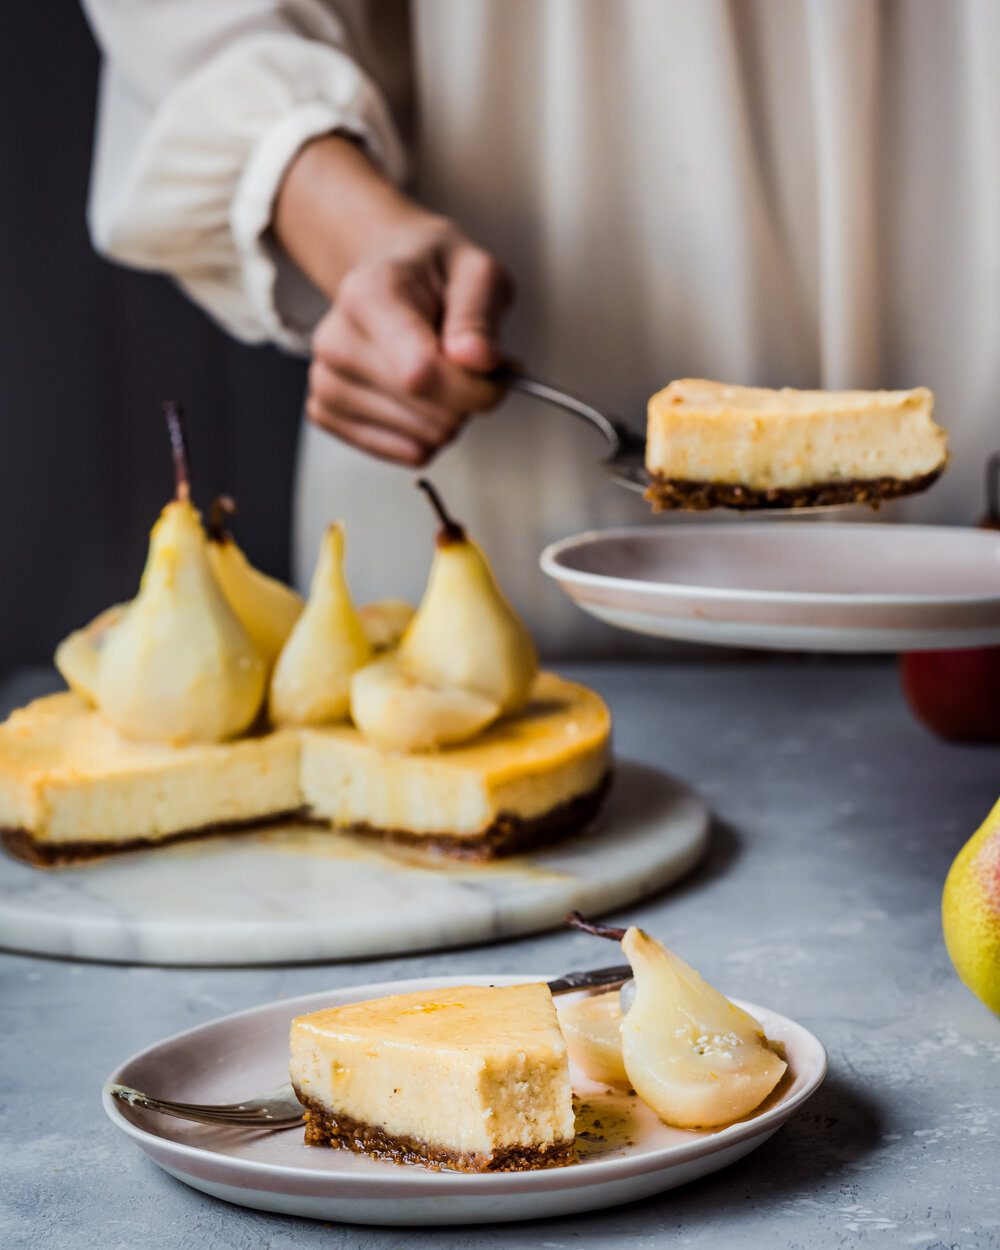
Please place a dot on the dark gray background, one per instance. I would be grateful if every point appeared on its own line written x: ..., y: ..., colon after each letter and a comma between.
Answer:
x: 87, y: 352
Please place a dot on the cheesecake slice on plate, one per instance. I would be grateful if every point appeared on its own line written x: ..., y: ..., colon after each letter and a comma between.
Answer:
x: 473, y: 1078
x: 712, y: 445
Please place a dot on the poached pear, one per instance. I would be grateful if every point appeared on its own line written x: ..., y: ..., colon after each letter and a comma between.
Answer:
x: 311, y: 683
x: 592, y: 1027
x: 385, y: 622
x: 77, y: 655
x: 178, y: 666
x: 695, y: 1058
x: 400, y: 712
x: 465, y: 632
x: 268, y: 608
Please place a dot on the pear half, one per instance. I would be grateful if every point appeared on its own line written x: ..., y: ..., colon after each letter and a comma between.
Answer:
x: 465, y: 633
x: 268, y: 608
x: 592, y: 1027
x: 693, y: 1056
x: 179, y: 666
x: 311, y: 683
x: 78, y: 654
x: 399, y: 712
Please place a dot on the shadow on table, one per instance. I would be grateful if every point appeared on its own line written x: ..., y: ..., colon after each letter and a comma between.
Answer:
x: 724, y: 849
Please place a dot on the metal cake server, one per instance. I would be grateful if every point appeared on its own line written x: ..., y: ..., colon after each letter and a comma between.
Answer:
x: 625, y: 461
x: 280, y: 1108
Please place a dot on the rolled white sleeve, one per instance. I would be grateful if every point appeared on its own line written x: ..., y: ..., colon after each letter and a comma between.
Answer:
x: 193, y: 144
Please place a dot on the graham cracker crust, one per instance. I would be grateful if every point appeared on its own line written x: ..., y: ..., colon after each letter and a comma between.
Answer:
x: 341, y: 1132
x: 681, y: 495
x: 508, y: 835
x: 22, y: 845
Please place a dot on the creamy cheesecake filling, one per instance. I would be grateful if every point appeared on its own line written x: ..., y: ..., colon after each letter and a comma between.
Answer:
x: 467, y: 1073
x: 784, y: 440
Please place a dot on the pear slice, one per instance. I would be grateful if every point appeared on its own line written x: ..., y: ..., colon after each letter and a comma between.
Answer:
x: 465, y: 633
x: 695, y: 1058
x: 399, y: 712
x: 311, y: 683
x: 385, y: 622
x: 268, y: 608
x: 77, y: 655
x: 592, y: 1027
x: 179, y: 666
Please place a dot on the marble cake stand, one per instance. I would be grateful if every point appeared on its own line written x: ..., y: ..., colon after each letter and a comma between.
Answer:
x: 295, y: 894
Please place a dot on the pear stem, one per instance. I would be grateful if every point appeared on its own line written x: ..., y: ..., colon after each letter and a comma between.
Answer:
x: 591, y: 926
x: 451, y: 531
x: 174, y: 415
x: 223, y: 507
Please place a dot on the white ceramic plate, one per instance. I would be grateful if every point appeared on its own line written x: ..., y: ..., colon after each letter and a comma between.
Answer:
x: 247, y: 1053
x: 797, y: 586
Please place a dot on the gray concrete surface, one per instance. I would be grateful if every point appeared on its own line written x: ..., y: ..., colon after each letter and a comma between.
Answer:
x: 837, y: 819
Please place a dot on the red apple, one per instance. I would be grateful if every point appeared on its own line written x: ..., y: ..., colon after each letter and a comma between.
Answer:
x: 955, y: 693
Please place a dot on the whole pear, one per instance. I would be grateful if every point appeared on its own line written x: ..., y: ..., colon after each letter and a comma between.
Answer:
x: 179, y: 666
x: 268, y: 608
x: 311, y: 683
x: 970, y: 912
x: 465, y: 632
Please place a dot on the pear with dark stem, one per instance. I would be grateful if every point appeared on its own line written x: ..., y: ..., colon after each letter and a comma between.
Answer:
x: 465, y: 634
x: 268, y: 608
x: 179, y: 665
x: 695, y: 1058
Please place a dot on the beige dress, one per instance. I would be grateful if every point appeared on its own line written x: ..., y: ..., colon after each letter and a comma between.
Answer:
x: 801, y: 192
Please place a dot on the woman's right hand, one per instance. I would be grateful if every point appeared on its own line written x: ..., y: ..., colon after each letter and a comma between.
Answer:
x: 403, y: 356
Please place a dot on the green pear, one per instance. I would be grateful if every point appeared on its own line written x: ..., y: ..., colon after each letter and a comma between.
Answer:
x: 311, y: 683
x: 268, y: 608
x: 179, y: 666
x: 465, y: 633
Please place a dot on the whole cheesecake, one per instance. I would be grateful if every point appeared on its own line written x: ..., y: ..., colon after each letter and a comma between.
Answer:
x: 474, y: 1078
x: 71, y: 786
x: 711, y: 445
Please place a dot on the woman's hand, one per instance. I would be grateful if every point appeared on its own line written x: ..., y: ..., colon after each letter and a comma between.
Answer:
x: 401, y: 358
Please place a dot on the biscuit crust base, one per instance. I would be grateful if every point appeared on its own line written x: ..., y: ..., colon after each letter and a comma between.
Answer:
x: 323, y: 1128
x: 508, y: 835
x: 682, y: 495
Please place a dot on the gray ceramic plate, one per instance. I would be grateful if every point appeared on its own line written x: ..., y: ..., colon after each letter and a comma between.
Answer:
x: 247, y: 1053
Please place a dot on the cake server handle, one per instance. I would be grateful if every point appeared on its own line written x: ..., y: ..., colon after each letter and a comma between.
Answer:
x: 625, y: 462
x: 593, y: 979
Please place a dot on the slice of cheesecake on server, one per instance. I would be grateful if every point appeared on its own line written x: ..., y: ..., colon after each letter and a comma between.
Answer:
x: 710, y: 445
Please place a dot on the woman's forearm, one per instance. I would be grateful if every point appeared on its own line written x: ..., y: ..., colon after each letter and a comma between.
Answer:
x: 335, y: 210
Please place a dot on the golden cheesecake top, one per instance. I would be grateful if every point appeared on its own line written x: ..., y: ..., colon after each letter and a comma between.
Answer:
x: 476, y: 1018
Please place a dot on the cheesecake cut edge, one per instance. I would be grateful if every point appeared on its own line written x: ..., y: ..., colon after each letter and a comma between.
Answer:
x: 342, y: 1132
x: 507, y: 835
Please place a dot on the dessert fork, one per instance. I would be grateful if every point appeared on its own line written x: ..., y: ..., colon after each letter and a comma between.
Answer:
x: 280, y: 1108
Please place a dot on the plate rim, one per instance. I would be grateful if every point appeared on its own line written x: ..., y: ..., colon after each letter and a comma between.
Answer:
x: 592, y: 1171
x: 551, y: 555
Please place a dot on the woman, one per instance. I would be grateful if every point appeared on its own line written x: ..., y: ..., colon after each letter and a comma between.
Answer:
x: 801, y: 192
